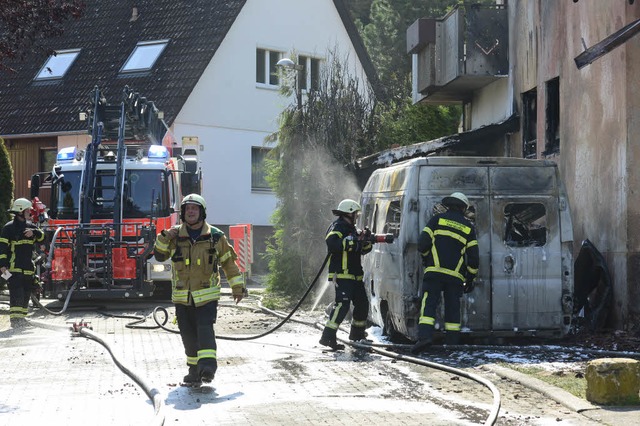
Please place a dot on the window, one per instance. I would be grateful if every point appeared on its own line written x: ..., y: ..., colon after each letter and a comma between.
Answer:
x: 552, y: 142
x: 58, y: 64
x: 310, y: 71
x: 144, y: 56
x: 47, y: 159
x: 392, y: 221
x: 266, y: 70
x: 258, y: 169
x: 525, y: 225
x: 530, y: 123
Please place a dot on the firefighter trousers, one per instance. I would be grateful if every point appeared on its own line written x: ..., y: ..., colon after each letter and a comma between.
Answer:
x: 432, y: 289
x: 19, y: 293
x: 348, y: 292
x: 198, y: 335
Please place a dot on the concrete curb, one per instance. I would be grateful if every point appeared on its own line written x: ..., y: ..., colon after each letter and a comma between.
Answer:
x: 561, y: 396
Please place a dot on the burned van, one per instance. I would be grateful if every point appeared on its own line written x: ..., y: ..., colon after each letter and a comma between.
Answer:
x: 521, y: 213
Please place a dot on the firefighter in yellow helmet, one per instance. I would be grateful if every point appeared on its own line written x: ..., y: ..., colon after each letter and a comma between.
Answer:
x: 346, y: 245
x: 17, y: 244
x: 450, y: 257
x: 197, y: 250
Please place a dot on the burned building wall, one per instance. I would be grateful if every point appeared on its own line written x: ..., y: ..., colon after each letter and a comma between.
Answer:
x: 587, y: 121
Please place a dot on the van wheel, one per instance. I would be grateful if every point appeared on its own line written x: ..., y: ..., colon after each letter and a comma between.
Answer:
x: 389, y: 329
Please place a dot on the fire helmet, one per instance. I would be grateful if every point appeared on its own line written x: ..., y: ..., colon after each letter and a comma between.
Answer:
x: 194, y: 199
x: 346, y: 206
x: 20, y: 205
x: 456, y: 199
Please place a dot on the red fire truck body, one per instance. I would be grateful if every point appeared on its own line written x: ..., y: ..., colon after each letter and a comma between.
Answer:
x: 108, y: 202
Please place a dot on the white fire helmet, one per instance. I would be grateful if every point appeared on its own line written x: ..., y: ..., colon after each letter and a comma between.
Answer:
x: 347, y: 206
x: 457, y: 198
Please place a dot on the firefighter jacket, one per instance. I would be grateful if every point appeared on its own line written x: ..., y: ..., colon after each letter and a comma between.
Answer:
x: 196, y: 264
x: 449, y: 248
x: 346, y: 249
x: 16, y: 250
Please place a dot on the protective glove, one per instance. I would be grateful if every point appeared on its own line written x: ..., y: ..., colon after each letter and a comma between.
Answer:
x: 469, y: 285
x: 237, y: 292
x: 366, y: 235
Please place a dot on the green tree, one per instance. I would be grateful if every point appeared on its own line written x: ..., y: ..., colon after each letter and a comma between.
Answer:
x: 307, y: 170
x: 403, y: 123
x: 6, y: 183
x: 24, y: 23
x: 6, y: 195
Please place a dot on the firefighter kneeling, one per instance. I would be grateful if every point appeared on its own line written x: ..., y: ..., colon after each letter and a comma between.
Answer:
x: 197, y: 250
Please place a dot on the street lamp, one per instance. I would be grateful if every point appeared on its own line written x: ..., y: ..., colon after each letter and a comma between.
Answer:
x: 288, y: 64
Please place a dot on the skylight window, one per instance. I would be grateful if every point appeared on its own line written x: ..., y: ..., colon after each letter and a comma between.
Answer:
x: 58, y: 64
x: 144, y: 56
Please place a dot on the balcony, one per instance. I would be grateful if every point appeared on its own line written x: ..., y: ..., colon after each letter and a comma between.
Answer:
x: 458, y: 54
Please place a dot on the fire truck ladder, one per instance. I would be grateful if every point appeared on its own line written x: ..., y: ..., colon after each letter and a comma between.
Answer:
x: 95, y: 245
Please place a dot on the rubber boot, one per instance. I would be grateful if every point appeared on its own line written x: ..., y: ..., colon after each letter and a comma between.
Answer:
x: 357, y: 333
x: 421, y: 346
x: 18, y: 322
x: 192, y: 379
x: 329, y: 339
x: 425, y: 339
x: 452, y: 338
x: 207, y: 374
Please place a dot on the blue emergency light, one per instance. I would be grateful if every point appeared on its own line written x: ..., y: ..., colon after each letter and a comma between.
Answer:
x: 66, y: 154
x: 158, y: 152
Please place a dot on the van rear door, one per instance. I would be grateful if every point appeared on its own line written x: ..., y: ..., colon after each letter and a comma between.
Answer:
x: 525, y: 249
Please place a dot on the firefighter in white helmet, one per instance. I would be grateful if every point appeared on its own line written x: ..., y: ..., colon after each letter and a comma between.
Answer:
x: 346, y: 245
x: 450, y: 257
x: 197, y: 250
x: 17, y: 245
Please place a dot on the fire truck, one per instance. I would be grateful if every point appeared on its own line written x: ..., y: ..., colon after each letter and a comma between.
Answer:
x: 110, y: 200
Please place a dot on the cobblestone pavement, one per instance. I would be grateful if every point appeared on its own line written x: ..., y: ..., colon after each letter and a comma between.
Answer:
x: 51, y: 374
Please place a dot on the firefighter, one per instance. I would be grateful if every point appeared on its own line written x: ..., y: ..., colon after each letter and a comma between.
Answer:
x: 17, y: 246
x: 450, y: 256
x: 197, y: 250
x: 346, y: 245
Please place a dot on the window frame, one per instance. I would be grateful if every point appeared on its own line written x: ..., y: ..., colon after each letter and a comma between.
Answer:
x: 141, y: 45
x: 530, y: 124
x: 258, y: 170
x: 311, y: 72
x: 525, y: 224
x: 552, y: 117
x: 50, y: 64
x: 266, y: 60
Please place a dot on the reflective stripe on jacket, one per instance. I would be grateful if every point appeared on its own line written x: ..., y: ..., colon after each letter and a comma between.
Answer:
x: 16, y: 250
x: 196, y: 264
x: 449, y: 247
x: 345, y: 262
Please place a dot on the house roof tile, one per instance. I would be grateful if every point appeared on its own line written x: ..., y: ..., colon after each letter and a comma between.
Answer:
x: 107, y: 36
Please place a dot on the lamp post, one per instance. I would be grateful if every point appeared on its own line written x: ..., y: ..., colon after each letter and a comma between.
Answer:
x: 286, y: 63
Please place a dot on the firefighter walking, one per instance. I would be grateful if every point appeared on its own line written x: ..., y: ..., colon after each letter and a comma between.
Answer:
x: 346, y: 246
x: 450, y: 256
x: 17, y: 246
x: 197, y: 250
